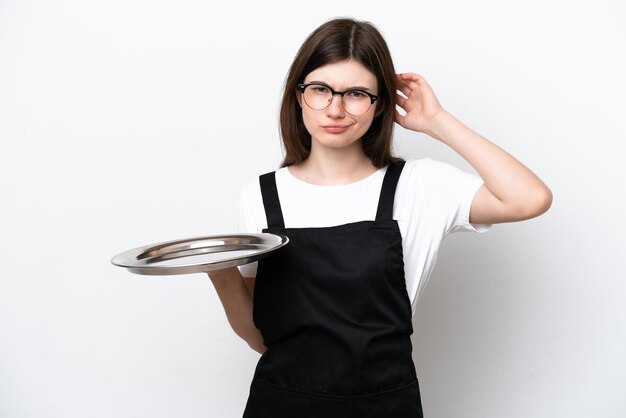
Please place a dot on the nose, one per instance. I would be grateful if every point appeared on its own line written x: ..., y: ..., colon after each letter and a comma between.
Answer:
x: 335, y: 108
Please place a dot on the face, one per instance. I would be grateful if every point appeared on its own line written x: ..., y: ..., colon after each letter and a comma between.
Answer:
x: 333, y: 127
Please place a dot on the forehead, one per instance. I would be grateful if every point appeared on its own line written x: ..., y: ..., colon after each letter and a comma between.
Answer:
x: 343, y: 74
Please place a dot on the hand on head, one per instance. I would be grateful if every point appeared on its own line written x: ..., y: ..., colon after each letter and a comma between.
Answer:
x: 418, y: 102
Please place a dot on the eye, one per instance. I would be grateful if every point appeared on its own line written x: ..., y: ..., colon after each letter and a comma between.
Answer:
x: 356, y: 94
x: 317, y: 88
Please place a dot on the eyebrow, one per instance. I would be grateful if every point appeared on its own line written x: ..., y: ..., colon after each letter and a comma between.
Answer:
x: 347, y: 88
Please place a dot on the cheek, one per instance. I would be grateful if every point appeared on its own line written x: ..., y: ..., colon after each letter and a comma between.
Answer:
x: 364, y: 127
x: 307, y: 119
x: 366, y: 122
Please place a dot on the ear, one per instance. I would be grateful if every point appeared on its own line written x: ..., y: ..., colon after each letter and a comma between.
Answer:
x: 299, y: 97
x: 379, y: 109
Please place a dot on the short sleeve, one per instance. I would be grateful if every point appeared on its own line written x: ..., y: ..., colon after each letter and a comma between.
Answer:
x: 468, y: 186
x: 452, y: 192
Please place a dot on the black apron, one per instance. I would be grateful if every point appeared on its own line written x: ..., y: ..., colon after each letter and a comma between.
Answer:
x: 335, y: 315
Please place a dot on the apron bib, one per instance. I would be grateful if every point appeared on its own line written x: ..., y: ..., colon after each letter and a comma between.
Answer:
x: 335, y: 315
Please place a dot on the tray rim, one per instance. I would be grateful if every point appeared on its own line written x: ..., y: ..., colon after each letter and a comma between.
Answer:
x: 129, y: 259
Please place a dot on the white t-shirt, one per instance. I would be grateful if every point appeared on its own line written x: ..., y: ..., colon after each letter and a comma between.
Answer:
x: 432, y: 200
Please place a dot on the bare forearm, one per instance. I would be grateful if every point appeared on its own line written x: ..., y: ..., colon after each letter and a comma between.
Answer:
x: 512, y: 183
x: 237, y: 301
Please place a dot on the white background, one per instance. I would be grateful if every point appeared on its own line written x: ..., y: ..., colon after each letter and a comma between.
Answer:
x: 124, y: 123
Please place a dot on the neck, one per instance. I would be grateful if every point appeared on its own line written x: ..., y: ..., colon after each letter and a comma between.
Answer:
x: 330, y: 167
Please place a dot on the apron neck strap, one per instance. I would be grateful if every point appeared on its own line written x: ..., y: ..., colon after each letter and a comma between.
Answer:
x: 274, y: 213
x: 271, y: 202
x: 388, y: 191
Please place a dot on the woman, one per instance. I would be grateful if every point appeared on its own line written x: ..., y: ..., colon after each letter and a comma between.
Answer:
x: 332, y: 309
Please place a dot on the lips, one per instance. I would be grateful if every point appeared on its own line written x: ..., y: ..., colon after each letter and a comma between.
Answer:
x: 335, y: 128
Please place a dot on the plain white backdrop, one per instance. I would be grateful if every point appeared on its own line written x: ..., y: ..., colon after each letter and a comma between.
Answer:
x: 124, y: 123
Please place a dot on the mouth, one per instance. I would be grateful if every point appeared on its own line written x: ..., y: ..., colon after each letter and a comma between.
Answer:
x: 335, y: 128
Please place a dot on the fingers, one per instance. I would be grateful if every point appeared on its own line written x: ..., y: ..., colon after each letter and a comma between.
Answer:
x: 407, y: 82
x: 413, y: 79
x: 410, y: 77
x: 401, y: 101
x: 398, y: 118
x: 405, y: 89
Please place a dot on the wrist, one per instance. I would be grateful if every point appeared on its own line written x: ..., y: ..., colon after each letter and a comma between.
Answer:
x: 440, y: 126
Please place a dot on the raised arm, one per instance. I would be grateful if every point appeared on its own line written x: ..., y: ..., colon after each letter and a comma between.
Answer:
x: 511, y: 191
x: 236, y: 298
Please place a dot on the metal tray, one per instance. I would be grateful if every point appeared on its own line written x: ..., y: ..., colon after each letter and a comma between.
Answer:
x: 200, y: 254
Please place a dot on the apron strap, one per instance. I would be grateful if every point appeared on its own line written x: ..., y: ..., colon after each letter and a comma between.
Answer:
x: 271, y: 202
x: 274, y: 213
x: 388, y: 191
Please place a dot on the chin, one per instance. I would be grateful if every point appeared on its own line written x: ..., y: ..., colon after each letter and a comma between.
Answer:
x: 341, y: 140
x: 337, y: 143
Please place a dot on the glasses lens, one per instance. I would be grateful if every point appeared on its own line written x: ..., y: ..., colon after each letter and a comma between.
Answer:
x: 355, y: 102
x: 318, y: 97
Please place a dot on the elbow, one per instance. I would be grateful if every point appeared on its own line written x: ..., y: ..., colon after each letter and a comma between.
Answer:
x: 535, y: 205
x: 259, y: 348
x: 547, y: 202
x: 252, y: 337
x: 526, y: 205
x: 254, y: 341
x: 543, y: 201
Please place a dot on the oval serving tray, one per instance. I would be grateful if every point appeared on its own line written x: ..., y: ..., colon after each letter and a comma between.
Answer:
x: 200, y: 254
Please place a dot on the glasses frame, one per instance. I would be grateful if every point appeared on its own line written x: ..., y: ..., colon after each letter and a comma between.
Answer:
x: 303, y: 86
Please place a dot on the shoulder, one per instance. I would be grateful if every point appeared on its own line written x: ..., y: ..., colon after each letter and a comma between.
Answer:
x: 250, y: 192
x: 424, y: 166
x: 435, y: 185
x: 429, y: 172
x: 251, y: 209
x: 422, y: 172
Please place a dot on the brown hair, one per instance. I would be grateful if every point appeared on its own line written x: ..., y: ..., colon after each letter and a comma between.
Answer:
x: 334, y: 41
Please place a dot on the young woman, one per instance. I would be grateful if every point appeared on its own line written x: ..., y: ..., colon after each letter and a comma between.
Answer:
x: 331, y: 311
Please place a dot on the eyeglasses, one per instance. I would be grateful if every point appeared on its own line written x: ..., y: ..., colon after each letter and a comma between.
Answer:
x: 320, y: 96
